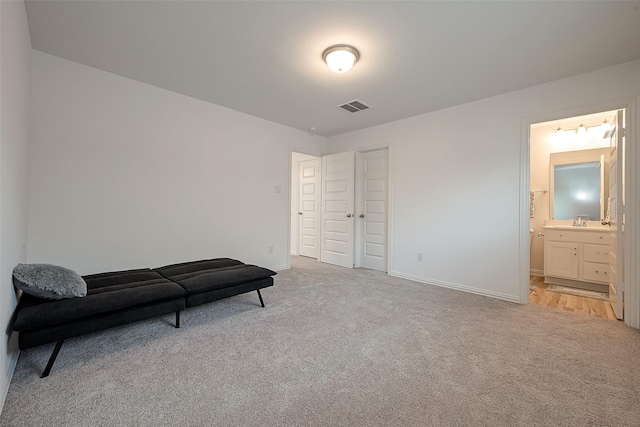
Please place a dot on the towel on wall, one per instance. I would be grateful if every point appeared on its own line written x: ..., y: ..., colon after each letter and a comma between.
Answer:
x: 532, y: 203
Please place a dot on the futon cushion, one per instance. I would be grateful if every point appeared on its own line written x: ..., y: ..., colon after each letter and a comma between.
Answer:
x: 49, y: 281
x: 106, y: 292
x: 201, y: 276
x: 175, y: 270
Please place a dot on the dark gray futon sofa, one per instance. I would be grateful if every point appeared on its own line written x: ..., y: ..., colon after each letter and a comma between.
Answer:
x: 121, y: 297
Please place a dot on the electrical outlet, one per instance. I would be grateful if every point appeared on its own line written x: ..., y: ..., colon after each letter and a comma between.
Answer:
x: 270, y: 250
x: 420, y: 257
x: 277, y: 189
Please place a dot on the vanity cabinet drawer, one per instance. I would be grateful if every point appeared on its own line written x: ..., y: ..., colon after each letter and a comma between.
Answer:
x: 596, y: 272
x: 580, y: 236
x: 601, y: 238
x: 596, y: 253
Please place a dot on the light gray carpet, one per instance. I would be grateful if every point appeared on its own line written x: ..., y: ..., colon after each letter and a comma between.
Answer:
x: 339, y: 347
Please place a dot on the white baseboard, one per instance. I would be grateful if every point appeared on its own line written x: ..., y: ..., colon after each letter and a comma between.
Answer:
x: 534, y: 272
x: 463, y: 288
x: 6, y: 381
x: 281, y: 267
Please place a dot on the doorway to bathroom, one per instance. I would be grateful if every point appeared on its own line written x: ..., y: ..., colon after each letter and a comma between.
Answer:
x: 576, y: 213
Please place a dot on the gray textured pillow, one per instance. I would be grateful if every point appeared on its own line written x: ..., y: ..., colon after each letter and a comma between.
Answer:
x: 49, y: 281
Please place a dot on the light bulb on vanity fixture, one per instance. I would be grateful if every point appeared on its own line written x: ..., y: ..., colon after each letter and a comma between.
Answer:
x: 557, y: 137
x: 340, y: 57
x: 581, y: 130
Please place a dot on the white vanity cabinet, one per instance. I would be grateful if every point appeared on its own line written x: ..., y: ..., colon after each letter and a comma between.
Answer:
x: 577, y: 257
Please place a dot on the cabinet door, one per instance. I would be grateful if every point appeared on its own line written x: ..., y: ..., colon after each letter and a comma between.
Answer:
x: 562, y: 259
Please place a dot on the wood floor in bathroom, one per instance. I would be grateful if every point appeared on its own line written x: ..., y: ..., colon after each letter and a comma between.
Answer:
x: 591, y: 307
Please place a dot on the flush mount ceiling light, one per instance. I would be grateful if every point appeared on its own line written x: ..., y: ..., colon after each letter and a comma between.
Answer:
x: 340, y: 57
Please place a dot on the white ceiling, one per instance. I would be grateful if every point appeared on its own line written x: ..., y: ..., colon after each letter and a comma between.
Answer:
x: 264, y: 58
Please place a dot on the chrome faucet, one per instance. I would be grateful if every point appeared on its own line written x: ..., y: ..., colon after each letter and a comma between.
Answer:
x: 579, y: 222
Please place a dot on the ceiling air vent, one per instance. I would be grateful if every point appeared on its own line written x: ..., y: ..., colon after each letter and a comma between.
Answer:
x: 354, y: 106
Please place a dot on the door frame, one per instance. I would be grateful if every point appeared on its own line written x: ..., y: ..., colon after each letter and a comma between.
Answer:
x: 632, y: 190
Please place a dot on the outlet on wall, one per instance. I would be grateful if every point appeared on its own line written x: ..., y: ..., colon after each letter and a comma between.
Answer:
x: 270, y: 250
x: 420, y: 257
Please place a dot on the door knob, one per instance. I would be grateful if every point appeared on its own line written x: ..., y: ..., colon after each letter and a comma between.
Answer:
x: 299, y: 213
x: 349, y: 215
x: 361, y: 215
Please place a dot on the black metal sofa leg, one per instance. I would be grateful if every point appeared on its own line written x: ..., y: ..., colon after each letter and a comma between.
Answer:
x: 260, y: 296
x: 52, y: 359
x: 56, y: 350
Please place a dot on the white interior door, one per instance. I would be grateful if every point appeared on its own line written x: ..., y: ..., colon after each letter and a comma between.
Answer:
x: 616, y: 216
x: 337, y: 177
x: 372, y: 212
x: 309, y: 209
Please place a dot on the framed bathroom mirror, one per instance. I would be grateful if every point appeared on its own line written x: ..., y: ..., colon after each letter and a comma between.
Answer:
x: 578, y: 184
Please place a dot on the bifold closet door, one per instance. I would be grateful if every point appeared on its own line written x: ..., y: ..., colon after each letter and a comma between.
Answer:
x: 337, y: 213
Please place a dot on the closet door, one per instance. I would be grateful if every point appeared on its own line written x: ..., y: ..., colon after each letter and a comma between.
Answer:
x: 372, y: 212
x: 337, y: 242
x: 309, y: 209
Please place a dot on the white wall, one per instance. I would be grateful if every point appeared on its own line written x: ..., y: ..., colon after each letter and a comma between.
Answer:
x: 126, y: 175
x: 455, y: 177
x: 15, y: 57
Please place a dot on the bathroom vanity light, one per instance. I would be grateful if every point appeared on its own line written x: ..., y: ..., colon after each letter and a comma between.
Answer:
x: 561, y: 135
x: 340, y: 57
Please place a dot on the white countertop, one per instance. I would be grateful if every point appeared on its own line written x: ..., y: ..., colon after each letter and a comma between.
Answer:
x: 570, y: 227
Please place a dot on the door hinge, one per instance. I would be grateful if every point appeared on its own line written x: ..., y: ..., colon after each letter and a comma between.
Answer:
x: 623, y: 132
